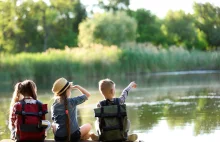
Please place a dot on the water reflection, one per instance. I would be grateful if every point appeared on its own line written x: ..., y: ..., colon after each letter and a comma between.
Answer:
x: 162, y: 109
x: 198, y: 109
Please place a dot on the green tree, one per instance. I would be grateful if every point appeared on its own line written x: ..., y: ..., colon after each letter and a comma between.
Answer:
x: 180, y: 29
x: 148, y: 27
x: 35, y: 26
x: 25, y: 19
x: 107, y: 28
x: 65, y: 27
x: 8, y: 29
x: 113, y: 5
x: 208, y: 21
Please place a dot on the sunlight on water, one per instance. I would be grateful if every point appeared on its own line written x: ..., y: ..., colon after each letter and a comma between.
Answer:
x: 162, y: 132
x: 161, y: 110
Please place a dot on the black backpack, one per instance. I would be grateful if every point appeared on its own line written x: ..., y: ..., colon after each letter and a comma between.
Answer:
x: 112, y: 121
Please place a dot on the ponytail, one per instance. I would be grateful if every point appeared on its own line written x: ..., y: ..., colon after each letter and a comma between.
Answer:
x: 33, y: 89
x: 15, y: 98
x: 16, y: 95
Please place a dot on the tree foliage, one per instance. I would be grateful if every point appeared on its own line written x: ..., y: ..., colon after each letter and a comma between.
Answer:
x: 180, y: 29
x: 65, y: 26
x: 107, y: 28
x: 8, y: 29
x: 208, y: 21
x: 113, y: 5
x: 35, y: 26
x: 148, y: 29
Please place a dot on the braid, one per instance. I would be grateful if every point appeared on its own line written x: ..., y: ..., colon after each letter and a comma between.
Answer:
x: 67, y: 115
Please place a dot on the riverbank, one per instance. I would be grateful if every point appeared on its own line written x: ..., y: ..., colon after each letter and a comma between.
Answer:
x: 84, y: 64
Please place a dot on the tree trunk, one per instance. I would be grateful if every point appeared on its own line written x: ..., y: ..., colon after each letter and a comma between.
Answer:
x: 45, y: 30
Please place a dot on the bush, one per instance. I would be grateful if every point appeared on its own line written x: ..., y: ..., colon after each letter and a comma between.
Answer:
x: 107, y: 29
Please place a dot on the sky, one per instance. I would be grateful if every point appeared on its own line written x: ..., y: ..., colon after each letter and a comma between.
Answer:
x: 158, y: 7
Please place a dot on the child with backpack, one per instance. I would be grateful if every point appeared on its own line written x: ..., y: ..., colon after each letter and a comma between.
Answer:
x: 64, y: 112
x: 27, y: 113
x: 112, y: 123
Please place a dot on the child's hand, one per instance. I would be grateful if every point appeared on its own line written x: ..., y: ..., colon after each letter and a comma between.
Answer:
x: 81, y: 89
x: 74, y: 87
x: 133, y: 84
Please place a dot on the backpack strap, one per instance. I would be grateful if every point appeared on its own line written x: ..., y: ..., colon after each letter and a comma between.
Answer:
x: 103, y: 103
x: 23, y: 103
x: 40, y: 112
x: 117, y: 102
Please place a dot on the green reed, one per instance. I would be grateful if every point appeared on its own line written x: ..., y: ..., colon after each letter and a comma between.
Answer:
x: 100, y: 62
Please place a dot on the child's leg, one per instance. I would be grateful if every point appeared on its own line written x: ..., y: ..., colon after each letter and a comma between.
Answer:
x: 128, y: 125
x: 53, y: 126
x: 97, y: 127
x: 94, y: 137
x: 84, y: 129
x: 131, y: 137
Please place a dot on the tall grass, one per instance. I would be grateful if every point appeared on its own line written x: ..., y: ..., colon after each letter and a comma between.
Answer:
x: 98, y: 61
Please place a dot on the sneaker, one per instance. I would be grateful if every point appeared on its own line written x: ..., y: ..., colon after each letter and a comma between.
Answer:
x: 132, y: 137
x: 94, y: 137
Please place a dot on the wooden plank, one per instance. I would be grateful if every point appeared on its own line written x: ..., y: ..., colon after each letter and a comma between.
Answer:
x: 8, y: 140
x: 50, y: 140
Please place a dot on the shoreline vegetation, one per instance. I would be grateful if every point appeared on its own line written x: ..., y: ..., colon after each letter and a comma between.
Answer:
x: 100, y: 61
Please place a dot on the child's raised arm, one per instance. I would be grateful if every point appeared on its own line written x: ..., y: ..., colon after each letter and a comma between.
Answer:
x: 82, y: 90
x: 124, y: 93
x: 132, y: 84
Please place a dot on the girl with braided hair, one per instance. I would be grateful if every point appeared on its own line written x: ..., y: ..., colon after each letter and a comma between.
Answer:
x: 64, y: 113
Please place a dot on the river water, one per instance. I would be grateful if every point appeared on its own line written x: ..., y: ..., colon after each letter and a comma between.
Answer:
x: 165, y: 107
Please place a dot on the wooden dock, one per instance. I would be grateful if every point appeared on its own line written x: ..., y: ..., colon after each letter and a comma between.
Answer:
x: 50, y: 140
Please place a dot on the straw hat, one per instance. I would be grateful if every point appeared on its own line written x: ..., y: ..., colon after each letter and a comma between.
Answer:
x: 60, y: 85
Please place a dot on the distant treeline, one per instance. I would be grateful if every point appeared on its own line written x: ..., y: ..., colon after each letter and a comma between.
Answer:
x: 83, y: 64
x: 28, y: 26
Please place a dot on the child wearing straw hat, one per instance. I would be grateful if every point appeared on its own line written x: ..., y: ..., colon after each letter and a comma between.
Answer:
x: 64, y: 114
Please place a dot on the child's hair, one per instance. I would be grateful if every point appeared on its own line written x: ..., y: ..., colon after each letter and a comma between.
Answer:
x: 63, y: 98
x: 25, y: 88
x: 105, y: 86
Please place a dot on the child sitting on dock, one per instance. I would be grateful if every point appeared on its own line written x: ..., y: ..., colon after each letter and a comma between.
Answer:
x: 112, y: 123
x: 27, y: 114
x: 64, y: 112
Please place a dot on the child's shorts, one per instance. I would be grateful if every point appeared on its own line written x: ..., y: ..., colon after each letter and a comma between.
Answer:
x: 75, y: 137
